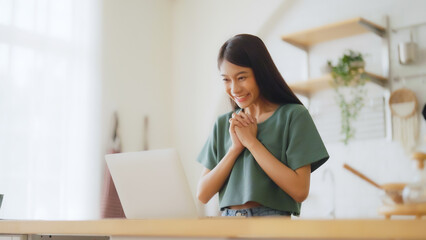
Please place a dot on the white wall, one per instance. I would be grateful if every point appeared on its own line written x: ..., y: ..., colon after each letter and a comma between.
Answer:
x: 137, y: 71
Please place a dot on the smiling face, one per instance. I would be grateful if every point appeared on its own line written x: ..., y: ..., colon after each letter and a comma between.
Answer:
x: 240, y: 84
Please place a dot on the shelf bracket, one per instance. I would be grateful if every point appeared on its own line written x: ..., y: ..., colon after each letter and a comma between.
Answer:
x: 373, y: 28
x: 299, y: 46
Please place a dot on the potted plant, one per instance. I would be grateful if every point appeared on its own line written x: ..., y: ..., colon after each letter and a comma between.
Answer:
x: 349, y: 80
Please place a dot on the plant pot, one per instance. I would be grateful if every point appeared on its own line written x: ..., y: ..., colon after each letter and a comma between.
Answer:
x: 357, y: 64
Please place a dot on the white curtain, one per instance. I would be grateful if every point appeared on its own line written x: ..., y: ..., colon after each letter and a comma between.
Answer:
x: 49, y: 109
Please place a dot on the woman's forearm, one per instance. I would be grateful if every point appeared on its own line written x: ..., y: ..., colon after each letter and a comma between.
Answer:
x: 212, y: 181
x: 294, y: 182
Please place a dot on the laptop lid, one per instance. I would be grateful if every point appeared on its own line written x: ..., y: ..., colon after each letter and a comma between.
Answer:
x: 151, y: 184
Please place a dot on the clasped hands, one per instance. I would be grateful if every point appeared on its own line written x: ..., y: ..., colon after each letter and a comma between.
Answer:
x: 243, y: 130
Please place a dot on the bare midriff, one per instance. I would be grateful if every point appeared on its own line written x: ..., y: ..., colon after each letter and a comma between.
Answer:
x: 246, y: 205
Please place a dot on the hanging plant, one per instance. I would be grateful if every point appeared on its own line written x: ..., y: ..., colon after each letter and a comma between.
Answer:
x: 349, y: 74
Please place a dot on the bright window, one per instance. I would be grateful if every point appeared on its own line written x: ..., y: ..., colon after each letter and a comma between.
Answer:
x: 49, y: 109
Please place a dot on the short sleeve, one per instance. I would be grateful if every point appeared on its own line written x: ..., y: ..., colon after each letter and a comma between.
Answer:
x: 208, y: 154
x: 305, y: 144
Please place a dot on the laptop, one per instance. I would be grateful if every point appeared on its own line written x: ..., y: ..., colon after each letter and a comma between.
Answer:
x: 151, y: 184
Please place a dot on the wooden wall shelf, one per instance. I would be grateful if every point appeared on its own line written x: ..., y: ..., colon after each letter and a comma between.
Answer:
x: 313, y: 85
x: 305, y: 39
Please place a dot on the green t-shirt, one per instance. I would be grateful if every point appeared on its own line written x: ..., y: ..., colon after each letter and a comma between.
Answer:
x: 289, y: 134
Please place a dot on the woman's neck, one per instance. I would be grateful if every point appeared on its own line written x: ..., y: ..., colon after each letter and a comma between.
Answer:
x: 263, y: 107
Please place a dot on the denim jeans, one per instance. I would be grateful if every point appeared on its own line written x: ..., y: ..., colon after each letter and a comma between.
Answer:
x: 254, y: 212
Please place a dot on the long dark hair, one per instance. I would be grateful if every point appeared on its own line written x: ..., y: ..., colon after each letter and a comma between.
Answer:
x: 246, y: 50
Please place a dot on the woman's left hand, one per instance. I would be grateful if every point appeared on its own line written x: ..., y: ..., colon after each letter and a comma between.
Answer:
x: 248, y: 132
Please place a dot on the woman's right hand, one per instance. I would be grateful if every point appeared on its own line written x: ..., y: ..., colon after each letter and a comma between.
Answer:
x: 212, y: 180
x: 236, y: 144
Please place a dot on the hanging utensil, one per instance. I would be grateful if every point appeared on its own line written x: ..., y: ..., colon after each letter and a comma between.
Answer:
x: 407, y: 51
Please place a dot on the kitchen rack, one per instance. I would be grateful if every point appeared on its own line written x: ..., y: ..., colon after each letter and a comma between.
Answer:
x: 307, y: 38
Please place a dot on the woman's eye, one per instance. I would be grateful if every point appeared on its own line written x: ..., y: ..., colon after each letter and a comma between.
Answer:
x: 225, y: 80
x: 242, y: 78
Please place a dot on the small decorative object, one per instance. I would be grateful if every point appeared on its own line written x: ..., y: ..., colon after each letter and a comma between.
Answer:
x: 403, y: 105
x: 349, y: 74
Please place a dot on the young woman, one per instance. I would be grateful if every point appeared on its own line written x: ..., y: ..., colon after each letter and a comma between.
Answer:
x: 260, y: 156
